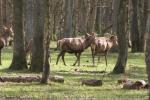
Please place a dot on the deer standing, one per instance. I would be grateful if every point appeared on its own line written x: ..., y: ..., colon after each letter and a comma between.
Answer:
x: 102, y: 45
x: 4, y: 39
x: 74, y: 45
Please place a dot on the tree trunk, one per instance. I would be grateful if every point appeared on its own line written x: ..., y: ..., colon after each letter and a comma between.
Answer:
x: 92, y: 16
x: 83, y: 14
x: 134, y: 27
x: 4, y: 12
x: 1, y: 18
x: 142, y: 23
x: 98, y: 19
x: 68, y: 18
x: 115, y: 11
x: 19, y: 58
x: 147, y: 52
x: 122, y: 37
x: 28, y: 19
x: 46, y: 65
x: 38, y: 33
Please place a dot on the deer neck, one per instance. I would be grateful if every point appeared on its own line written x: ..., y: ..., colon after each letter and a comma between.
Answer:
x: 86, y: 44
x: 110, y: 44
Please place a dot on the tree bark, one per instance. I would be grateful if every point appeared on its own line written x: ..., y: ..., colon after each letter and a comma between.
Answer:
x: 122, y: 37
x: 83, y: 14
x: 46, y: 65
x: 68, y: 18
x: 92, y: 16
x: 98, y: 19
x: 147, y: 52
x: 1, y: 18
x: 115, y: 11
x: 4, y: 12
x: 142, y: 23
x: 38, y: 34
x: 28, y: 20
x: 19, y: 58
x: 134, y: 27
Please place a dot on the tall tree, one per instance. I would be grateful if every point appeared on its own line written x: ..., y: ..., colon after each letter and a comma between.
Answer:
x: 83, y: 15
x: 19, y: 59
x: 1, y: 17
x: 28, y: 19
x: 134, y: 27
x: 4, y: 11
x: 98, y: 18
x: 38, y: 35
x: 115, y: 11
x: 122, y: 36
x: 68, y: 18
x: 147, y: 52
x: 92, y: 16
x: 142, y: 23
x: 46, y: 65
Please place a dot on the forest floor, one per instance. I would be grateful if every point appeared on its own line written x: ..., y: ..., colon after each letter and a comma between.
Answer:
x: 72, y: 89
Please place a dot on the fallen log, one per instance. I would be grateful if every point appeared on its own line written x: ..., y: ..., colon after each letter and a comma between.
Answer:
x: 19, y: 79
x: 91, y: 82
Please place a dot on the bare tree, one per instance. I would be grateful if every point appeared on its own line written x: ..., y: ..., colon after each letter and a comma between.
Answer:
x: 68, y: 18
x: 28, y: 19
x: 134, y: 27
x: 1, y: 17
x: 122, y: 36
x: 38, y: 35
x: 98, y: 18
x: 142, y: 23
x: 92, y: 16
x: 19, y: 59
x: 83, y: 15
x: 147, y: 52
x: 48, y: 29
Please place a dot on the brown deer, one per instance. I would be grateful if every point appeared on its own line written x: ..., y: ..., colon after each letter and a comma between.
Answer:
x: 102, y: 45
x: 4, y: 39
x: 28, y: 49
x: 74, y: 45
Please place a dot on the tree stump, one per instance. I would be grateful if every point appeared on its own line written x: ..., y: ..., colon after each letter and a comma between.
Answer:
x: 91, y: 82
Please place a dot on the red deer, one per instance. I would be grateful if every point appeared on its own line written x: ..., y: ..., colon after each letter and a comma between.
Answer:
x: 28, y: 49
x: 4, y: 38
x: 74, y: 45
x: 102, y: 45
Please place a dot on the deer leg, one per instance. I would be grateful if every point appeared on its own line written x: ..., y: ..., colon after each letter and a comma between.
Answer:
x: 93, y: 56
x: 76, y: 59
x: 63, y: 58
x: 106, y: 59
x: 30, y: 56
x: 79, y: 59
x: 99, y: 59
x: 60, y: 54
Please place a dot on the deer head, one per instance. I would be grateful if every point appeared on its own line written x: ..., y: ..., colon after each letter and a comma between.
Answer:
x: 114, y: 39
x: 8, y: 32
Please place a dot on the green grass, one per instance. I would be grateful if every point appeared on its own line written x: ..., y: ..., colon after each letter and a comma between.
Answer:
x: 72, y: 89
